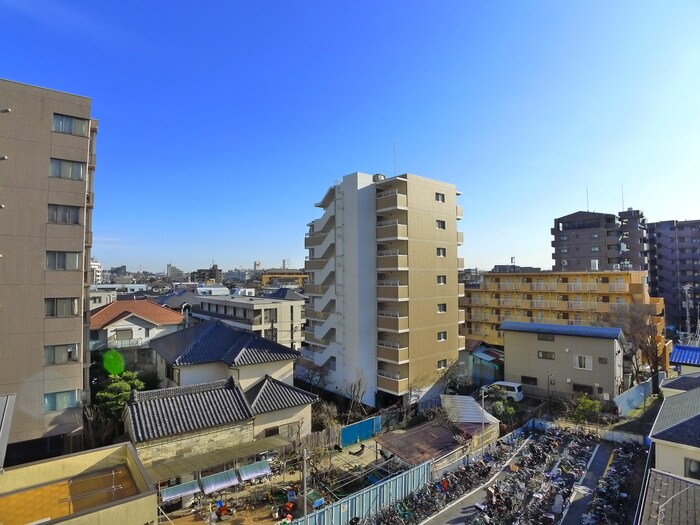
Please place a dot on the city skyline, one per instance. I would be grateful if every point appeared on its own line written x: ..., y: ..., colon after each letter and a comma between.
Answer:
x: 221, y: 126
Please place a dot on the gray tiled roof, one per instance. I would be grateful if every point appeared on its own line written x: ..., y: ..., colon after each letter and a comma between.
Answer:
x: 556, y: 329
x: 270, y: 394
x: 670, y: 500
x: 214, y: 341
x: 171, y: 411
x: 678, y: 420
x: 684, y: 382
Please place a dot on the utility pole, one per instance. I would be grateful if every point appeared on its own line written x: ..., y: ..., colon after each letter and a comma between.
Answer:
x: 305, y: 457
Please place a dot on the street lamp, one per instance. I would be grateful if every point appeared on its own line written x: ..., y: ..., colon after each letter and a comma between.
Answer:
x: 550, y: 375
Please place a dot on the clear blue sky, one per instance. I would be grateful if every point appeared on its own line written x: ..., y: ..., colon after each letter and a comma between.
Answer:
x: 222, y: 123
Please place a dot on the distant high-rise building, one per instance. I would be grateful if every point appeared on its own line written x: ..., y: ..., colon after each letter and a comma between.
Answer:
x: 96, y: 272
x: 257, y: 266
x: 173, y: 273
x: 674, y: 270
x: 208, y: 274
x: 286, y: 264
x: 600, y: 241
x: 383, y: 318
x: 47, y: 165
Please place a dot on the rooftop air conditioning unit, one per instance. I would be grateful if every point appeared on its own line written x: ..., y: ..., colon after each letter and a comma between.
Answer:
x: 378, y: 177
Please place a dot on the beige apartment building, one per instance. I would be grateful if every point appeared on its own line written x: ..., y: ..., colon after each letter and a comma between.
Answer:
x: 47, y: 163
x: 568, y: 298
x: 383, y: 312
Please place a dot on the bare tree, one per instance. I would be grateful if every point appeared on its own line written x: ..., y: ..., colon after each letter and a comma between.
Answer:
x: 451, y: 375
x: 317, y: 375
x: 637, y: 324
x: 355, y: 391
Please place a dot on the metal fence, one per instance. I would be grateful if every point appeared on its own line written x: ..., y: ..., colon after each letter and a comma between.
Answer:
x: 370, y: 500
x: 360, y: 431
x: 635, y: 396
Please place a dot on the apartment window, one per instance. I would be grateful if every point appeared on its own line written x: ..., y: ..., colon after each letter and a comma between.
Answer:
x: 61, y: 214
x: 60, y: 401
x: 439, y: 197
x: 595, y: 248
x: 545, y: 337
x: 563, y: 249
x: 563, y: 237
x: 442, y: 336
x: 60, y: 354
x: 545, y: 355
x: 528, y: 380
x: 442, y: 279
x: 582, y: 389
x: 440, y: 225
x: 62, y: 261
x: 583, y: 362
x: 442, y: 364
x: 602, y: 360
x: 442, y: 308
x: 70, y: 125
x: 61, y: 307
x: 595, y: 235
x: 441, y: 252
x: 67, y: 169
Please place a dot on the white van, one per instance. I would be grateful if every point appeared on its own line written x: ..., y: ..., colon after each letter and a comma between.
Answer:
x: 513, y: 391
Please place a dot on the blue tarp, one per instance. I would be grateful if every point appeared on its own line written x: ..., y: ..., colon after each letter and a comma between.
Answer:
x: 183, y: 489
x: 222, y: 480
x: 254, y: 470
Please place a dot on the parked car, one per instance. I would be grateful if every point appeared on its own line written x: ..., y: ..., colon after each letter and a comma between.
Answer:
x: 513, y: 391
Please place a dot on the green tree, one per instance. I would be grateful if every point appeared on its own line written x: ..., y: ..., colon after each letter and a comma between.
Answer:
x: 504, y: 411
x: 585, y: 408
x: 113, y: 398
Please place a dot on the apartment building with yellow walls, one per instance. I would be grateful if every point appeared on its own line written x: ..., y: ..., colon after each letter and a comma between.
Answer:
x: 383, y: 293
x: 570, y: 298
x: 47, y: 163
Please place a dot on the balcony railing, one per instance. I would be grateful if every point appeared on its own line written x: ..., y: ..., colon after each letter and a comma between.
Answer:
x: 396, y: 355
x: 391, y: 199
x: 394, y: 385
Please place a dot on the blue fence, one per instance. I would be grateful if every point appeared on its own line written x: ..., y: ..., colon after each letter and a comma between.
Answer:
x: 635, y: 396
x: 370, y: 500
x: 360, y: 431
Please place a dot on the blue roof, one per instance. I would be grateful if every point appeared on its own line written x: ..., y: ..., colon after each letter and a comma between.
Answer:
x: 685, y: 355
x: 563, y: 329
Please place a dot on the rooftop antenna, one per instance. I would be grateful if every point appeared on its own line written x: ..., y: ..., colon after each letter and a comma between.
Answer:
x: 622, y: 191
x: 394, y: 157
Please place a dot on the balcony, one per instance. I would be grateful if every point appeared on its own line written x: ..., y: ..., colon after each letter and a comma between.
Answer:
x: 391, y: 291
x: 88, y: 238
x: 461, y: 342
x: 391, y: 352
x: 392, y: 321
x: 461, y: 316
x: 315, y: 289
x: 460, y: 290
x: 460, y: 238
x: 313, y: 239
x: 313, y: 340
x: 391, y: 200
x: 391, y: 229
x: 393, y: 385
x: 460, y: 212
x: 460, y: 263
x: 313, y: 315
x: 391, y: 260
x: 315, y: 264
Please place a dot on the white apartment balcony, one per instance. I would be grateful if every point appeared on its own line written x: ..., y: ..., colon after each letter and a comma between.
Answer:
x: 461, y: 342
x: 391, y: 200
x: 460, y: 238
x: 315, y: 289
x: 391, y: 291
x: 461, y: 316
x: 314, y: 239
x: 460, y: 289
x: 392, y: 352
x: 391, y: 229
x: 391, y: 260
x: 460, y: 263
x: 320, y: 225
x: 460, y: 212
x: 315, y: 264
x: 392, y: 321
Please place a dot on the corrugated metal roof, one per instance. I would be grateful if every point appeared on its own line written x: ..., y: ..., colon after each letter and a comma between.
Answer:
x: 685, y: 355
x: 171, y: 411
x: 465, y: 409
x: 269, y: 395
x: 563, y: 329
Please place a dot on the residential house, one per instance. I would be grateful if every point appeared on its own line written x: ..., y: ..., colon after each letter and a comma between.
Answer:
x: 676, y: 435
x: 104, y: 485
x: 669, y: 499
x: 213, y: 350
x: 131, y: 324
x: 565, y: 360
x: 680, y: 384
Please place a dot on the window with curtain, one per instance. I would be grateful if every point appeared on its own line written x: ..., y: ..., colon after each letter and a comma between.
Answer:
x: 67, y: 169
x: 61, y: 307
x: 56, y: 401
x: 70, y: 125
x: 60, y: 354
x: 62, y: 214
x: 62, y: 261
